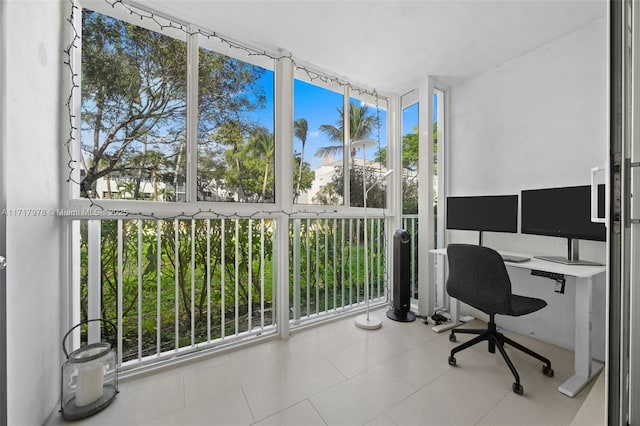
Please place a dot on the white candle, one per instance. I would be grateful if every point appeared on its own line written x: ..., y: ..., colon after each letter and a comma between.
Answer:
x: 89, y: 385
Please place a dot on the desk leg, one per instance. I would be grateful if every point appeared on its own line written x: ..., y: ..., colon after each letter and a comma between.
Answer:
x: 585, y: 368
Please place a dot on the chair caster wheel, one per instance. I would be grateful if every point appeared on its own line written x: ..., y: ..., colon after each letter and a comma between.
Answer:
x: 452, y: 360
x: 517, y: 388
x: 547, y: 371
x: 452, y: 338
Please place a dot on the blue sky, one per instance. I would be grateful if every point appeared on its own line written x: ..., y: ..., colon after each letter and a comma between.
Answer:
x: 319, y: 106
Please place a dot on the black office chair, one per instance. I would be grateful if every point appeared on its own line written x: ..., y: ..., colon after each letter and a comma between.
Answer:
x: 478, y: 277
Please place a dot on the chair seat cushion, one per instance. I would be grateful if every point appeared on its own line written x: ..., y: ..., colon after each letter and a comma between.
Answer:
x: 522, y: 305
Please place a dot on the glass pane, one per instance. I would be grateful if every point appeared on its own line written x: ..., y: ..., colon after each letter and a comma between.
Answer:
x: 438, y: 98
x: 133, y: 111
x: 368, y: 121
x: 317, y: 144
x: 410, y: 130
x: 236, y: 146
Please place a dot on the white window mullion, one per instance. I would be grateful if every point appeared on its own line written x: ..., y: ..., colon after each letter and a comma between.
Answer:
x: 283, y: 110
x: 426, y: 286
x: 192, y: 118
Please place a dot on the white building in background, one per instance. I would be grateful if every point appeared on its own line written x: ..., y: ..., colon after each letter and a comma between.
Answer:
x: 118, y: 187
x: 325, y: 173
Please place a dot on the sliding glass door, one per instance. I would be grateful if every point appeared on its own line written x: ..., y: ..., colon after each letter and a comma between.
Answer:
x: 3, y: 233
x: 623, y: 378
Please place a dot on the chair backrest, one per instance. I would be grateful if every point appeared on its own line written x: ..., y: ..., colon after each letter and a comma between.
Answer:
x: 478, y: 277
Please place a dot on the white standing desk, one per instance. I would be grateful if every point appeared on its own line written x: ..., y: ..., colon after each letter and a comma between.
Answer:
x: 585, y: 368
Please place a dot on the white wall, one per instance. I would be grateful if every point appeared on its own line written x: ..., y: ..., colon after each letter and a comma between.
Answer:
x: 34, y: 103
x: 539, y: 120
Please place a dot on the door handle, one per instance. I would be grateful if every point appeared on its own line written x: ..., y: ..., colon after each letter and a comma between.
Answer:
x: 3, y: 263
x: 594, y: 196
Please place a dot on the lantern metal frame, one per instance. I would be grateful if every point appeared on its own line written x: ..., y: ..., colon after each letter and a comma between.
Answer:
x: 68, y: 409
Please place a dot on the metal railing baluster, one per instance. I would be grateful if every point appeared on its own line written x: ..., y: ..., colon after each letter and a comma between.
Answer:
x: 119, y: 292
x: 140, y: 269
x: 159, y: 287
x: 249, y: 276
x: 176, y: 272
x: 223, y: 308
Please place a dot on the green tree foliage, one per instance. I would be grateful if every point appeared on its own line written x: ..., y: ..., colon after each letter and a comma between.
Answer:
x: 410, y: 158
x: 181, y: 298
x: 410, y: 150
x: 134, y: 96
x: 328, y: 194
x: 376, y: 189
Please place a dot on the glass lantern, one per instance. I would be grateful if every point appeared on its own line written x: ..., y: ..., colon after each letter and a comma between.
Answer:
x: 89, y: 378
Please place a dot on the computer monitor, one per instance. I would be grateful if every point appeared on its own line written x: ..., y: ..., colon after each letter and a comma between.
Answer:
x: 494, y: 213
x: 563, y: 212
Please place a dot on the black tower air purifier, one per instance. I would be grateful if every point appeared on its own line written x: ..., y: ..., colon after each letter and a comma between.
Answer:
x: 401, y: 278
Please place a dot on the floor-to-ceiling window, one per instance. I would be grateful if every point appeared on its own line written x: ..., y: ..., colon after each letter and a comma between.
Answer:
x: 175, y: 160
x: 410, y: 129
x: 623, y: 387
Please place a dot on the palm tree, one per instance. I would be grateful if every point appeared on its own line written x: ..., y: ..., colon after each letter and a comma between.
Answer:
x: 257, y: 154
x: 127, y: 189
x: 262, y: 142
x: 300, y: 130
x: 165, y: 194
x: 361, y: 125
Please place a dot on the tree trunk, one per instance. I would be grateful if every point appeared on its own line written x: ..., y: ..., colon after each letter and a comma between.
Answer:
x: 297, y: 194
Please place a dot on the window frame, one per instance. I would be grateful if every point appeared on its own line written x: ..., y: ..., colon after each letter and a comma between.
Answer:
x: 197, y: 37
x: 194, y: 37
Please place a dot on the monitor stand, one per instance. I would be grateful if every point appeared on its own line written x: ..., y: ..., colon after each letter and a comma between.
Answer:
x: 572, y: 259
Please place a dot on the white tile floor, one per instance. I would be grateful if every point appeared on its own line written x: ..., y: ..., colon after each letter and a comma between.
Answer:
x: 338, y: 374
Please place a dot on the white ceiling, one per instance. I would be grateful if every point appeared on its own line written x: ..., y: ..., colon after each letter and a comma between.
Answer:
x: 391, y: 45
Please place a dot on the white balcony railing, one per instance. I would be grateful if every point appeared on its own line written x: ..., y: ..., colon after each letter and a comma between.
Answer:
x: 183, y: 285
x: 327, y: 265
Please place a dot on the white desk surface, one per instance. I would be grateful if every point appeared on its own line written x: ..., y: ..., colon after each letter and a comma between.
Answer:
x: 580, y: 271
